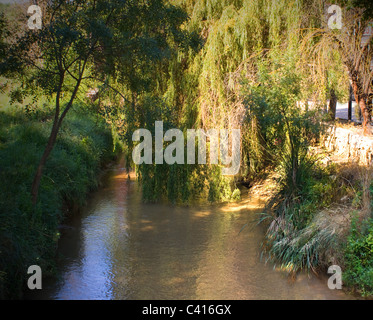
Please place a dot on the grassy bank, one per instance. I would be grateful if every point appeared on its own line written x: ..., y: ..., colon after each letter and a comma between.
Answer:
x: 28, y: 235
x: 328, y: 223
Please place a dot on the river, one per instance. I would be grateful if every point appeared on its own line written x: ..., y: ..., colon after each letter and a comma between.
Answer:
x: 118, y: 247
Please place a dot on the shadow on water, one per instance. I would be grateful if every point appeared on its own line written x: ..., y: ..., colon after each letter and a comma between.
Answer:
x: 121, y: 248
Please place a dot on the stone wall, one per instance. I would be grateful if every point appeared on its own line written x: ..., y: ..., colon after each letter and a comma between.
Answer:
x: 349, y: 145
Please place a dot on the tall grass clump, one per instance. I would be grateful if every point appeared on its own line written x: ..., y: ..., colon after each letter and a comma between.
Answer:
x: 312, y: 230
x: 28, y: 234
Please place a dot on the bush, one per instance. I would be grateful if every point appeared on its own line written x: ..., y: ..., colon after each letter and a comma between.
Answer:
x: 359, y: 258
x: 297, y: 238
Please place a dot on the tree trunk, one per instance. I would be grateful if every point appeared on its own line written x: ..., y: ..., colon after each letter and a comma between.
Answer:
x: 39, y: 172
x: 360, y: 101
x: 349, y: 112
x: 365, y: 113
x: 52, y: 137
x: 332, y: 105
x: 369, y: 107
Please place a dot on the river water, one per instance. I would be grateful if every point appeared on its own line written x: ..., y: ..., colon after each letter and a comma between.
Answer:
x: 121, y: 248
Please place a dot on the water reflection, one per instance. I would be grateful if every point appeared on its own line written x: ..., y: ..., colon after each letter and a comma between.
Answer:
x: 121, y: 248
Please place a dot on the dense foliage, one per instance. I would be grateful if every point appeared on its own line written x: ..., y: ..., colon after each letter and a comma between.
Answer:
x: 265, y: 67
x: 29, y: 234
x: 359, y: 258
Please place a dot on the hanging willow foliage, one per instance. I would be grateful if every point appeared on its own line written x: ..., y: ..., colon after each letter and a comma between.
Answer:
x: 202, y: 85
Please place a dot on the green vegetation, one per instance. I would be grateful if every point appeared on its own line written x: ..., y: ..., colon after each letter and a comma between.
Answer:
x: 311, y: 231
x: 84, y: 43
x: 284, y: 133
x: 29, y: 234
x: 359, y: 258
x: 298, y: 236
x: 268, y: 68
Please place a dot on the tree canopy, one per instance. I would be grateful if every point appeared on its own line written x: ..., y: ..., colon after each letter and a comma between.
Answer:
x: 84, y: 42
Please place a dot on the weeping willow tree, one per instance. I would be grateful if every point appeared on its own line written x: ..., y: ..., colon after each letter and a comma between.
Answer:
x: 201, y: 85
x: 156, y: 92
x: 238, y: 35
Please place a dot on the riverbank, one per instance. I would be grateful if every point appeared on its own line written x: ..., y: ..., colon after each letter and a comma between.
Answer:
x: 28, y: 235
x: 338, y: 226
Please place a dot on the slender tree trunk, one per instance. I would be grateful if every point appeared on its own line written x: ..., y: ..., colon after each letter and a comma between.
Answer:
x: 365, y: 113
x: 39, y: 172
x: 360, y: 101
x: 50, y: 144
x: 332, y: 105
x: 52, y: 138
x: 350, y: 104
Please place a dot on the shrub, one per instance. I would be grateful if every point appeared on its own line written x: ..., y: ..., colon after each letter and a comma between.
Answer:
x: 359, y: 258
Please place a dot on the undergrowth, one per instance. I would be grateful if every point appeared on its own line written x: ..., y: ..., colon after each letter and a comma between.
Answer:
x: 28, y: 235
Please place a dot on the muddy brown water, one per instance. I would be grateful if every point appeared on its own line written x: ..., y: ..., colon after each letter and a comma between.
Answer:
x: 121, y: 248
